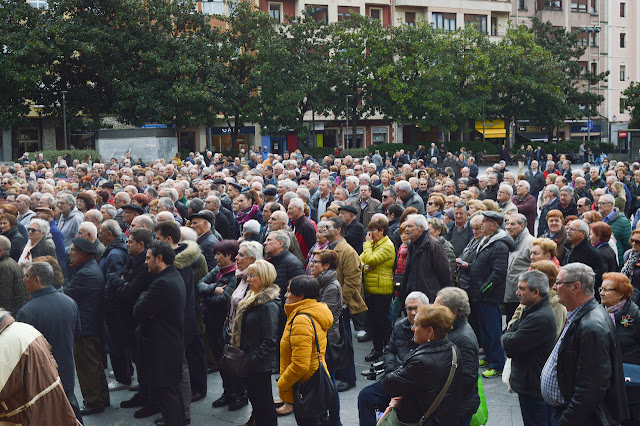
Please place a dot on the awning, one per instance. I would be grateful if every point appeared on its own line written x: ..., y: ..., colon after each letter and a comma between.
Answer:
x: 493, y: 133
x: 534, y: 136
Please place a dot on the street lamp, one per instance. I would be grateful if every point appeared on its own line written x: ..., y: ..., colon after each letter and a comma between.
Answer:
x: 593, y: 29
x: 346, y: 135
x: 64, y: 116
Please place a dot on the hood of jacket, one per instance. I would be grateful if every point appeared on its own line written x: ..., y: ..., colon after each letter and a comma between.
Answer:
x: 189, y: 254
x: 320, y: 313
x: 117, y: 243
x: 616, y: 215
x: 500, y: 235
x: 75, y: 213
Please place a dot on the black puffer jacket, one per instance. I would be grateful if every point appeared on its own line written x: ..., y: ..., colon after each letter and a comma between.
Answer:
x: 287, y: 266
x: 17, y: 243
x: 45, y: 247
x: 528, y: 342
x: 207, y: 286
x: 489, y: 271
x: 420, y: 380
x: 465, y: 339
x: 86, y: 287
x: 585, y: 253
x: 400, y: 345
x: 590, y: 345
x: 187, y: 259
x: 427, y: 269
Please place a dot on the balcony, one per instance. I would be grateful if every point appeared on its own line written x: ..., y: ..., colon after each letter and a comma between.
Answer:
x: 484, y: 5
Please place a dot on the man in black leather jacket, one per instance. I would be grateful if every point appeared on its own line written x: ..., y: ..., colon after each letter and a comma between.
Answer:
x: 583, y: 380
x: 401, y: 344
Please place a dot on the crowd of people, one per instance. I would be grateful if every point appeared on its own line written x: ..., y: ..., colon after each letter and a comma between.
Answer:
x: 171, y: 269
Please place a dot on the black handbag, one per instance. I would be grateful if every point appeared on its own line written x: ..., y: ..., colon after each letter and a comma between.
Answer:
x: 339, y: 353
x: 316, y: 395
x: 235, y: 361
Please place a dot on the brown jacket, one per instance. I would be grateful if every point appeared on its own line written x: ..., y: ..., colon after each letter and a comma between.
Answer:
x: 350, y: 277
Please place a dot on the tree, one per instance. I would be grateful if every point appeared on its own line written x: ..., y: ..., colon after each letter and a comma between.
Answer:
x: 632, y: 102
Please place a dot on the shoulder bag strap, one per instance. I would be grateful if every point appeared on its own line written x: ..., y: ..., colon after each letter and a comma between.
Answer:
x: 438, y: 400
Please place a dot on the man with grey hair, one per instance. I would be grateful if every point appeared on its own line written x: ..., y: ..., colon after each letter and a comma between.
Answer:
x: 70, y: 218
x: 56, y: 316
x: 13, y: 294
x: 567, y: 204
x: 528, y: 342
x: 94, y: 216
x: 620, y: 225
x: 581, y: 250
x: 503, y: 197
x: 550, y: 202
x: 352, y: 184
x: 519, y: 259
x: 323, y: 199
x: 23, y: 204
x: 582, y: 379
x: 465, y: 339
x: 88, y: 231
x: 408, y: 196
x: 400, y: 346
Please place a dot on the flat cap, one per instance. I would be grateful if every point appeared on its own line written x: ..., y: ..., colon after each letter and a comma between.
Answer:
x: 269, y: 192
x: 84, y: 245
x: 43, y: 209
x: 204, y: 214
x: 136, y: 208
x: 219, y: 182
x: 495, y: 216
x: 236, y: 186
x: 349, y: 208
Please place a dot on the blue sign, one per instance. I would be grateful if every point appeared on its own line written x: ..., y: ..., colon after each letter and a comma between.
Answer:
x: 590, y: 125
x: 585, y: 128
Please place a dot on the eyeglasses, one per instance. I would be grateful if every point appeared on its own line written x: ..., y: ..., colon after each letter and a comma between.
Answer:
x: 33, y: 230
x: 412, y: 308
x: 602, y: 203
x: 386, y: 196
x: 565, y: 282
x: 430, y: 203
x: 602, y: 289
x: 315, y: 262
x: 635, y: 241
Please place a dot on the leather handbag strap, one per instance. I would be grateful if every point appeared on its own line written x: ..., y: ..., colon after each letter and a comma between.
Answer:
x: 438, y: 400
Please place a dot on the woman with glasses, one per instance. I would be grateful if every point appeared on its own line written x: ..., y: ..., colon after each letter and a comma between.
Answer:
x: 615, y: 295
x: 631, y: 268
x: 40, y: 243
x: 435, y: 205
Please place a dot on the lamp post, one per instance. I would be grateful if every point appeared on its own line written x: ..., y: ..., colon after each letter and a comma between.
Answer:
x: 346, y: 135
x: 593, y: 29
x: 64, y: 116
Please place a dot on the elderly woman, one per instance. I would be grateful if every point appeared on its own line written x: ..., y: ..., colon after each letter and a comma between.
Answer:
x: 468, y: 255
x: 248, y: 253
x: 321, y: 244
x: 251, y: 230
x: 438, y: 230
x: 84, y: 202
x: 615, y: 294
x: 475, y: 206
x: 255, y: 331
x: 423, y: 375
x: 544, y: 249
x: 600, y: 235
x: 557, y: 232
x: 9, y: 228
x: 631, y: 266
x: 378, y: 256
x: 305, y: 333
x: 434, y: 206
x: 40, y: 243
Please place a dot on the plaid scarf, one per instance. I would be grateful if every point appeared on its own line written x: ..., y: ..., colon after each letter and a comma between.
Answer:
x: 613, y: 310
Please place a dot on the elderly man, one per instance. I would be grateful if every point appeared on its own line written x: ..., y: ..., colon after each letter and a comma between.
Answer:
x: 349, y: 273
x: 120, y: 200
x: 528, y: 342
x: 579, y: 249
x: 323, y: 199
x: 620, y: 225
x: 13, y: 294
x: 94, y: 216
x: 567, y: 204
x: 389, y: 197
x: 491, y: 191
x: 487, y: 288
x: 201, y: 222
x: 352, y: 185
x: 23, y: 204
x: 503, y: 197
x: 278, y: 222
x: 304, y: 231
x: 580, y: 189
x: 595, y: 181
x: 145, y: 221
x: 583, y: 205
x: 130, y: 212
x: 70, y: 218
x: 582, y: 380
x: 427, y: 269
x: 536, y: 179
x: 526, y: 204
x: 551, y: 200
x: 460, y: 232
x: 86, y: 288
x: 224, y: 217
x: 89, y: 232
x: 354, y: 231
x: 519, y: 259
x: 365, y: 206
x: 56, y: 316
x: 400, y: 346
x: 408, y: 197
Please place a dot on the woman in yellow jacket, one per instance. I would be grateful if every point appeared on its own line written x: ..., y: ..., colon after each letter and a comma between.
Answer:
x: 298, y: 351
x: 378, y: 256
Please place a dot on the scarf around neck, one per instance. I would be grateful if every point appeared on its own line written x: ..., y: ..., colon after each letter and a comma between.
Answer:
x: 247, y: 215
x: 630, y: 264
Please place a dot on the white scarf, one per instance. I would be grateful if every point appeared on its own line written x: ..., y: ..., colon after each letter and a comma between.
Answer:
x: 25, y: 258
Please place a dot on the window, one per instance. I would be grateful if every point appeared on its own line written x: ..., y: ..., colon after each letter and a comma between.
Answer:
x: 275, y: 10
x: 623, y: 40
x: 579, y: 5
x: 623, y: 72
x: 410, y: 18
x: 379, y: 135
x: 375, y: 14
x: 623, y: 105
x: 623, y: 10
x: 40, y: 4
x: 494, y: 26
x: 522, y: 4
x: 550, y: 4
x: 593, y: 8
x: 29, y: 139
x: 444, y: 21
x: 594, y: 68
x: 344, y: 12
x: 319, y: 13
x: 479, y: 21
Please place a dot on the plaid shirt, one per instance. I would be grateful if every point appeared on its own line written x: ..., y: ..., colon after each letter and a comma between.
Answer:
x: 549, y: 377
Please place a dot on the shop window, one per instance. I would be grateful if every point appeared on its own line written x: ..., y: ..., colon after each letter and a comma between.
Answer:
x: 379, y: 135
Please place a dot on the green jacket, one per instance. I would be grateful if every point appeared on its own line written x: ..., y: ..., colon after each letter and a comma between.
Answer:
x: 382, y: 256
x: 621, y: 229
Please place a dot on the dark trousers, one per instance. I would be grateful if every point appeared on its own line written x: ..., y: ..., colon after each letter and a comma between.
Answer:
x: 491, y: 330
x: 233, y: 386
x: 93, y: 382
x: 260, y: 395
x: 378, y: 319
x: 118, y: 348
x: 71, y: 396
x: 171, y: 404
x: 334, y: 411
x: 535, y: 412
x: 197, y: 360
x: 309, y: 421
x: 348, y: 373
x: 370, y: 399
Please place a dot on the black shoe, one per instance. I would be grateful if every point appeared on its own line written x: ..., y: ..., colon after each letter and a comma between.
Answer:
x: 373, y: 356
x: 222, y: 401
x: 250, y: 422
x: 136, y: 401
x: 238, y: 403
x: 161, y: 422
x: 197, y: 397
x: 147, y: 411
x: 87, y: 411
x: 366, y: 338
x: 344, y: 386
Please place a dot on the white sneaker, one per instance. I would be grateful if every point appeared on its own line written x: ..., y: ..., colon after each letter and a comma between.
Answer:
x: 112, y: 374
x: 116, y: 386
x: 361, y: 333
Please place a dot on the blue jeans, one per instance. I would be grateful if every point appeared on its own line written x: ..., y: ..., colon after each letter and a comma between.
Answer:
x: 491, y: 330
x: 348, y: 373
x: 535, y: 412
x: 371, y: 398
